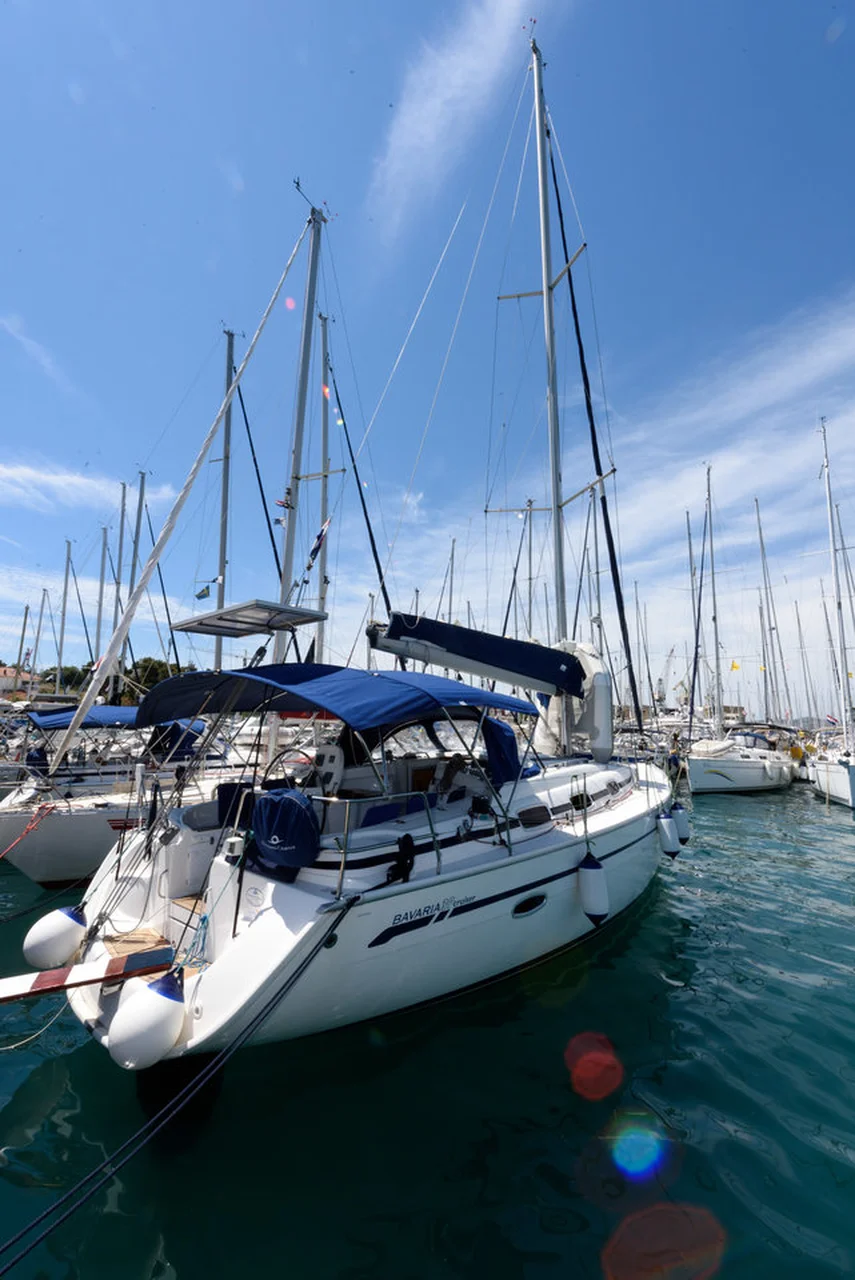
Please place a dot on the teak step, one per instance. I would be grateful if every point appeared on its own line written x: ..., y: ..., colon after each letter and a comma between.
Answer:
x: 126, y: 944
x: 193, y: 902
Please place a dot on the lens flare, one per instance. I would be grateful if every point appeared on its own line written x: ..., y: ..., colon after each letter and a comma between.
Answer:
x: 665, y: 1241
x: 290, y: 304
x: 595, y: 1070
x: 326, y: 391
x: 638, y: 1148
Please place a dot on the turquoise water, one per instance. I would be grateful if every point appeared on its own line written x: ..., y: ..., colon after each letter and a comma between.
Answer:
x: 452, y: 1142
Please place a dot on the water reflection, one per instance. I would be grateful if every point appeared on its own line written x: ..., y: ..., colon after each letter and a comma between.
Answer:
x: 455, y: 1141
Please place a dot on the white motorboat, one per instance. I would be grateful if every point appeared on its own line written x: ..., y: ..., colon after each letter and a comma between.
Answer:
x: 416, y: 857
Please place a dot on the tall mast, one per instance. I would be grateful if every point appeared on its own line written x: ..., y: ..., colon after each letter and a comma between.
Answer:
x: 838, y: 603
x: 21, y: 649
x: 134, y: 562
x: 717, y: 715
x: 100, y: 615
x: 117, y: 603
x: 316, y: 219
x: 850, y: 585
x: 549, y: 334
x: 62, y: 618
x: 764, y: 661
x: 224, y: 496
x: 810, y: 696
x: 773, y: 622
x: 773, y: 711
x: 35, y: 656
x: 325, y: 477
x: 693, y: 584
x: 528, y: 507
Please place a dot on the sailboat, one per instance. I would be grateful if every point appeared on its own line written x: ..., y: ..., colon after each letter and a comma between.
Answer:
x: 425, y: 847
x: 833, y: 772
x: 743, y: 760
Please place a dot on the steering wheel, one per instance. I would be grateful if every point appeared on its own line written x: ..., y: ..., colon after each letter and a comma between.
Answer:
x: 291, y: 756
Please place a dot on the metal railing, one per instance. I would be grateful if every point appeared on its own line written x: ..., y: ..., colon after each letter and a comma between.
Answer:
x: 401, y: 798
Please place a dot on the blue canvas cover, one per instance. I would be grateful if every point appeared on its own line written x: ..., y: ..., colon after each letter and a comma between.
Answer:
x: 362, y: 699
x: 526, y: 660
x: 177, y: 739
x: 286, y: 834
x: 96, y: 718
x: 503, y: 758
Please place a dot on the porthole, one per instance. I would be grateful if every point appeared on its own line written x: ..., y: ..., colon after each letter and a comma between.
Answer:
x: 529, y: 905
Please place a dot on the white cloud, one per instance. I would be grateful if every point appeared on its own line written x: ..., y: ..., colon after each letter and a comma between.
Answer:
x: 446, y: 93
x: 753, y: 415
x: 13, y: 325
x: 232, y: 175
x: 41, y: 489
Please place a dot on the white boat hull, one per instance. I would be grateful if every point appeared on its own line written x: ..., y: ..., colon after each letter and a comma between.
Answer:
x: 738, y: 774
x: 69, y: 839
x: 68, y: 844
x: 835, y: 780
x: 488, y: 913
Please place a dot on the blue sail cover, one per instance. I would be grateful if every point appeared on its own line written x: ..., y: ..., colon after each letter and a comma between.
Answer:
x: 514, y: 661
x: 97, y: 718
x: 362, y: 699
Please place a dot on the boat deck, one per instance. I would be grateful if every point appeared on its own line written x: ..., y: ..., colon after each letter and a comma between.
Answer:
x: 126, y: 944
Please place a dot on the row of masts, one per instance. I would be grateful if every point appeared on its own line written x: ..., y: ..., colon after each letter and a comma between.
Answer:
x: 777, y: 694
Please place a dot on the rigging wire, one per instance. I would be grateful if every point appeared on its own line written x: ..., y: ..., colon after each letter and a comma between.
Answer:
x: 80, y: 606
x: 413, y: 324
x: 381, y: 577
x: 353, y: 374
x: 457, y: 319
x: 110, y: 1165
x: 512, y: 220
x: 163, y: 594
x: 264, y: 501
x: 589, y: 409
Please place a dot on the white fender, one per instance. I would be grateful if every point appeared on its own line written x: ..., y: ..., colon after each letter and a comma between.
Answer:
x: 668, y: 837
x: 53, y: 939
x: 593, y: 889
x: 681, y: 818
x: 146, y: 1025
x: 602, y: 720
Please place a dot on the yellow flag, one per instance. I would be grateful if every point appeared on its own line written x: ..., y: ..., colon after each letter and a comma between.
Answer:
x: 734, y: 666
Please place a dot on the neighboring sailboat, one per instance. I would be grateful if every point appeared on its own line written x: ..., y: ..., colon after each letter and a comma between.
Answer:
x: 741, y: 761
x: 833, y: 772
x: 416, y: 854
x: 58, y: 829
